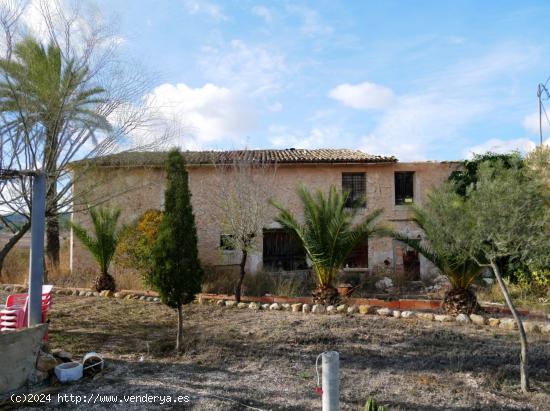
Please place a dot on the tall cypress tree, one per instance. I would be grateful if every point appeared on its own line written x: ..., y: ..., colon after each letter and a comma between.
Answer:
x: 176, y: 272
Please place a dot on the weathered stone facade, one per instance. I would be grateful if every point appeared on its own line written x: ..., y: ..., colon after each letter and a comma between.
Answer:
x: 139, y: 188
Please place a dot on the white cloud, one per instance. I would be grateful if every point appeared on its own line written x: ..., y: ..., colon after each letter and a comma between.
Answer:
x: 211, y: 114
x: 363, y: 96
x: 263, y: 12
x: 531, y: 123
x: 495, y: 145
x: 421, y: 125
x: 283, y: 137
x: 275, y: 107
x: 250, y: 69
x: 416, y: 125
x: 203, y: 7
x: 312, y: 24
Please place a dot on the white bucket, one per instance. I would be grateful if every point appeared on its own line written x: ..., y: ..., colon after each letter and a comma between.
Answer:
x: 93, y: 361
x: 69, y: 371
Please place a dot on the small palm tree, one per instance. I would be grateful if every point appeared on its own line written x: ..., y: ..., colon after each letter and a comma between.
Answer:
x: 102, y: 244
x: 328, y: 233
x: 460, y: 272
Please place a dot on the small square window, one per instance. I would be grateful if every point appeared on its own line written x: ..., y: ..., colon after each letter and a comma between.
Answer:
x: 404, y: 187
x: 226, y: 242
x: 355, y: 184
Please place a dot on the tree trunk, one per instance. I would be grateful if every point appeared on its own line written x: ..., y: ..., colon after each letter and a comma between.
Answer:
x: 11, y: 243
x: 52, y: 222
x: 239, y: 286
x: 523, y: 362
x: 52, y: 242
x: 179, y: 337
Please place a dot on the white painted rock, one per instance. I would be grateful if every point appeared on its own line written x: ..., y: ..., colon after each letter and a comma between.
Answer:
x: 352, y: 309
x: 341, y: 309
x: 444, y: 318
x: 331, y: 309
x: 531, y: 327
x: 318, y: 309
x: 462, y: 318
x: 477, y: 319
x: 220, y: 303
x: 231, y: 303
x: 286, y: 307
x: 396, y: 313
x: 242, y: 305
x: 254, y: 306
x: 306, y: 308
x: 384, y: 312
x: 265, y: 306
x: 275, y: 307
x: 425, y: 316
x: 296, y: 308
x: 493, y: 322
x: 508, y: 324
x: 544, y: 328
x: 407, y: 314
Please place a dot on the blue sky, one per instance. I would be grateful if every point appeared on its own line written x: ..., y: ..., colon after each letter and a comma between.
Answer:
x: 422, y: 80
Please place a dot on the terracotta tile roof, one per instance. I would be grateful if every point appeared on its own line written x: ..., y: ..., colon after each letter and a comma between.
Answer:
x: 285, y: 156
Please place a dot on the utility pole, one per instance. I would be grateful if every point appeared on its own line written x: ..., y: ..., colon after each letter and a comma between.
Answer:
x: 36, y: 269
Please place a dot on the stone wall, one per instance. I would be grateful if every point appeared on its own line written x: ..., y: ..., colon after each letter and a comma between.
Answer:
x: 19, y: 352
x: 136, y: 189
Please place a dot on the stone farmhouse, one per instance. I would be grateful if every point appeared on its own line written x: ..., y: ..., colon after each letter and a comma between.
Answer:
x: 135, y: 182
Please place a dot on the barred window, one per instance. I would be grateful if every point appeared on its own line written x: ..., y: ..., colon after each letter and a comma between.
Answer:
x: 226, y: 242
x: 404, y: 187
x: 355, y: 184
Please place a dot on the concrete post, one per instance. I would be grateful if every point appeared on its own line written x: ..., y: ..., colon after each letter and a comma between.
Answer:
x: 331, y: 381
x: 36, y: 269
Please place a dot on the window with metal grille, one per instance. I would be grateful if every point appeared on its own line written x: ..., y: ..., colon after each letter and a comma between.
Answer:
x: 355, y: 184
x: 226, y: 242
x: 404, y: 187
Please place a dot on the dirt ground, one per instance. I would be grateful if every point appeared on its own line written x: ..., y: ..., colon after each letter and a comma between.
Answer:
x: 237, y: 359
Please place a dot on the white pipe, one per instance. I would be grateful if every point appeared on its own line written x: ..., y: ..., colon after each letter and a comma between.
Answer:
x: 331, y: 380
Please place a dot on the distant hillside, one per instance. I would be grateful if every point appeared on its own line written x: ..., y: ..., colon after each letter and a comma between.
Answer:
x: 18, y: 220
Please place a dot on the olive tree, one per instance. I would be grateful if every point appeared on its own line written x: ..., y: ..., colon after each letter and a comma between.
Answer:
x: 507, y: 216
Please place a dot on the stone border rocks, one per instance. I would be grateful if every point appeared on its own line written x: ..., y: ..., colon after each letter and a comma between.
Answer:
x: 389, y: 309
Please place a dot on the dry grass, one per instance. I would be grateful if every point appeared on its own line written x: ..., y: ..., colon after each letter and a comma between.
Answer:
x: 266, y: 359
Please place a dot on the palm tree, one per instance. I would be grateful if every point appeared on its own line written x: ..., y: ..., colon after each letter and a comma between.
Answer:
x: 42, y: 92
x: 102, y: 245
x: 461, y: 272
x: 328, y: 234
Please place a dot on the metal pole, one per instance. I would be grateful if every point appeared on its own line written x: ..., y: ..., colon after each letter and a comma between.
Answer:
x: 36, y: 270
x: 331, y: 381
x: 539, y: 95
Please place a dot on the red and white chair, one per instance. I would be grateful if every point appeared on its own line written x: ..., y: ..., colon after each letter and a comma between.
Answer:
x: 15, y: 313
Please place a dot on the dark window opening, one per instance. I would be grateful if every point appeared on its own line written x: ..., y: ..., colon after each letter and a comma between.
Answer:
x: 359, y: 257
x: 355, y: 184
x: 404, y: 187
x: 226, y: 242
x: 282, y: 251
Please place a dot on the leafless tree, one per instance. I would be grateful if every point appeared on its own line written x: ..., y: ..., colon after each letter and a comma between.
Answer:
x: 123, y: 120
x: 243, y: 187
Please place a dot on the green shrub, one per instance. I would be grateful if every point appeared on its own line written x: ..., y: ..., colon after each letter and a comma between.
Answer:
x: 136, y: 243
